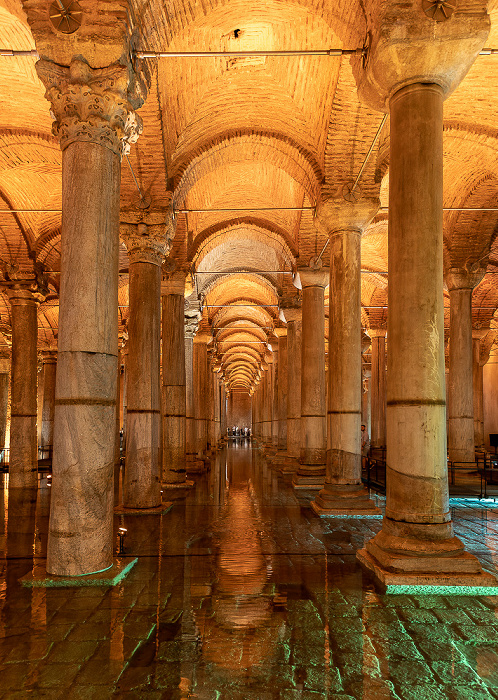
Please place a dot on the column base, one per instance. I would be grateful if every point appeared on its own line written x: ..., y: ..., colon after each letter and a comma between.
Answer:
x: 156, y: 510
x: 187, y: 484
x: 279, y: 459
x: 197, y: 467
x: 422, y: 555
x: 289, y: 466
x: 456, y: 583
x: 308, y: 483
x: 345, y: 501
x: 109, y: 577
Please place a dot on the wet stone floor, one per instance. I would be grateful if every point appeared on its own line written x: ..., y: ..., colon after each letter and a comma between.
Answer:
x: 241, y: 593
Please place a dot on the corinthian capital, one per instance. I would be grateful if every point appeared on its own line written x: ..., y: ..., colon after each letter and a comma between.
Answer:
x: 147, y: 235
x: 92, y: 104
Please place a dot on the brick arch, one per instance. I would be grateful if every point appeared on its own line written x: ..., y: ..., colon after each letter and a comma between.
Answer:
x: 170, y: 26
x: 469, y: 236
x: 276, y: 148
x: 262, y: 231
x: 242, y: 288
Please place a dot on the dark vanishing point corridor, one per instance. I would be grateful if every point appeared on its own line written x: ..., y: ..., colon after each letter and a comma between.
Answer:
x: 240, y: 592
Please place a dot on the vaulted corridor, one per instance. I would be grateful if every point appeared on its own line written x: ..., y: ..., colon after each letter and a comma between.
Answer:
x: 240, y: 593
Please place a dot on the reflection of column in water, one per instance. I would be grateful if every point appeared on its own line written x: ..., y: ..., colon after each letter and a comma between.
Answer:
x: 240, y: 635
x: 117, y: 626
x: 21, y: 524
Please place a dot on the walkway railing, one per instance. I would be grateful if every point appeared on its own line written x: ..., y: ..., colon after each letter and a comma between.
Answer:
x: 478, y: 479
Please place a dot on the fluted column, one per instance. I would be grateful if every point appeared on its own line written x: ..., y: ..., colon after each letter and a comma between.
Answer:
x: 146, y: 245
x: 460, y: 391
x: 173, y: 380
x: 344, y: 493
x: 311, y: 472
x: 48, y: 403
x: 95, y: 123
x: 23, y: 466
x: 378, y: 387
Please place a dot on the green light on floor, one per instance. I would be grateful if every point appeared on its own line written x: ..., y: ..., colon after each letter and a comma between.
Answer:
x: 394, y: 589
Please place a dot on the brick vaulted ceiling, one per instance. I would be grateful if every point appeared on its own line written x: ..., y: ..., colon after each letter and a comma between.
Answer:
x: 236, y: 133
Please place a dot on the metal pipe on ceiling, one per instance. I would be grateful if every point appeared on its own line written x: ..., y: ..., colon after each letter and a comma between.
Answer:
x: 235, y: 54
x: 248, y: 54
x: 209, y: 211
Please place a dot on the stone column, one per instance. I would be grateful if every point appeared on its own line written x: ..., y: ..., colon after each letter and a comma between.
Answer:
x: 173, y: 380
x: 223, y: 409
x: 460, y: 390
x: 23, y: 466
x: 416, y: 544
x: 4, y: 399
x: 48, y: 410
x: 201, y: 389
x: 282, y: 388
x: 146, y: 243
x: 311, y: 471
x: 366, y: 398
x: 275, y: 372
x: 490, y: 397
x: 344, y: 493
x: 378, y: 387
x: 294, y: 329
x: 192, y: 318
x: 267, y: 400
x: 94, y: 121
x: 478, y: 362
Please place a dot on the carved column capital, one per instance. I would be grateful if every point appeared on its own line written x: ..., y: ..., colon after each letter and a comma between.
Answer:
x: 377, y: 332
x: 21, y: 296
x: 460, y: 278
x: 314, y: 278
x: 145, y: 243
x: 92, y: 104
x: 174, y: 284
x: 336, y: 215
x: 49, y: 357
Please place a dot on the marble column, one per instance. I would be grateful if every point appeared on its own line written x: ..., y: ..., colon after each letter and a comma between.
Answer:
x: 311, y: 471
x: 478, y: 362
x: 344, y: 493
x: 267, y: 401
x: 4, y: 399
x: 173, y: 380
x: 378, y: 388
x: 95, y: 122
x: 294, y: 330
x: 48, y: 402
x: 201, y: 397
x: 417, y: 545
x: 192, y: 318
x: 460, y: 284
x: 366, y: 398
x: 275, y: 376
x: 146, y: 248
x: 490, y: 397
x: 122, y: 390
x: 282, y: 388
x: 223, y: 409
x: 23, y: 466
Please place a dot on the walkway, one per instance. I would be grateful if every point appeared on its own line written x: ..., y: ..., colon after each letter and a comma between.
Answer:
x: 241, y: 593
